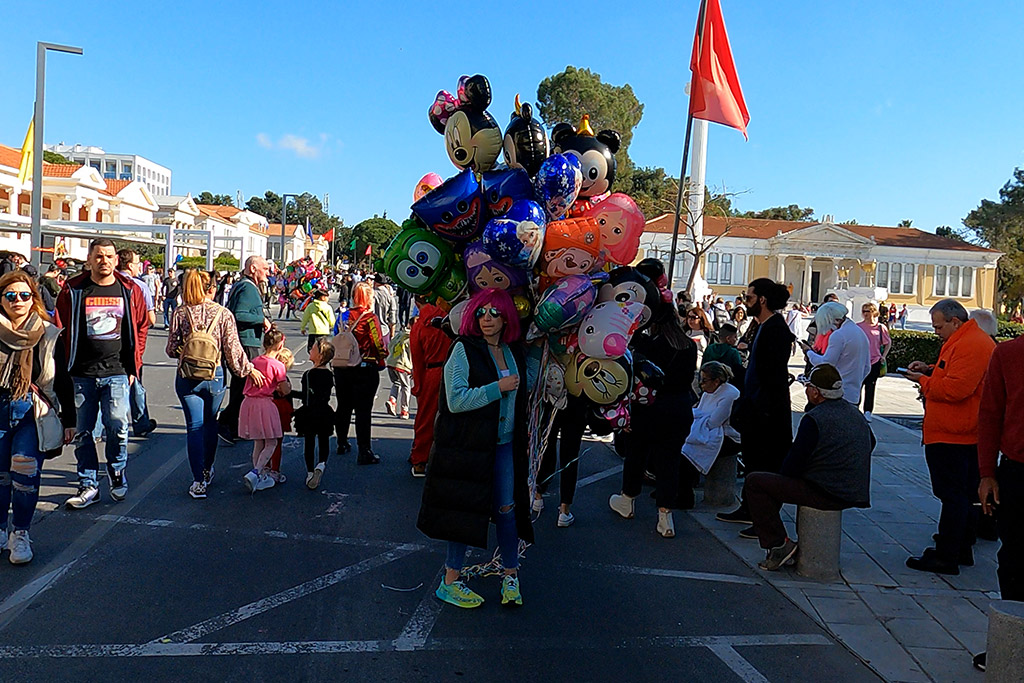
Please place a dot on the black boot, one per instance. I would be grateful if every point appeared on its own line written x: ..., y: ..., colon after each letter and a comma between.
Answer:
x: 367, y: 457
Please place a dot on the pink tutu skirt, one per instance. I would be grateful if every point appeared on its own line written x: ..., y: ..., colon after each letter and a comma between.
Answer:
x: 259, y: 419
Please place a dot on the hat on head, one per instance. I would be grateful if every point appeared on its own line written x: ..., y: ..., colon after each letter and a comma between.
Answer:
x: 825, y: 378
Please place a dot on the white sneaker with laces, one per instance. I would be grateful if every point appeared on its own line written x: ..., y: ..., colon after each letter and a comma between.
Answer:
x: 265, y: 481
x: 250, y: 479
x: 538, y: 505
x: 622, y: 504
x: 666, y: 526
x: 565, y: 519
x: 21, y: 547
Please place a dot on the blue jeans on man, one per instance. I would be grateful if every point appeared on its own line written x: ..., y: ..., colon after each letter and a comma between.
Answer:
x: 108, y: 398
x: 200, y: 401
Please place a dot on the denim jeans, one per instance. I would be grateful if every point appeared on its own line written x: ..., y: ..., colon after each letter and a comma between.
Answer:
x: 20, y: 462
x: 200, y: 402
x: 170, y: 303
x: 137, y: 404
x: 107, y: 396
x: 504, y: 520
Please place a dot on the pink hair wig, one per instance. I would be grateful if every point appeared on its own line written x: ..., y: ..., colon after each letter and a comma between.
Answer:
x: 501, y: 300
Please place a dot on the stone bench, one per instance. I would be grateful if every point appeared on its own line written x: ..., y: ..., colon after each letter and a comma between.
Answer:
x: 819, y: 536
x: 1005, y: 659
x: 720, y: 482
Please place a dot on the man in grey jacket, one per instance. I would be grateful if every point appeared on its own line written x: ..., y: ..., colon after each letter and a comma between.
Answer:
x: 827, y: 468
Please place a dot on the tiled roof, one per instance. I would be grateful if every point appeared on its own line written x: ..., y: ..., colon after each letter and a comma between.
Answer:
x: 222, y: 212
x: 114, y: 187
x: 11, y: 158
x: 275, y: 229
x: 761, y: 229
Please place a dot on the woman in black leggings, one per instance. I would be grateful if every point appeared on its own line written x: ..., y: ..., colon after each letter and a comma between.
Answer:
x: 571, y: 421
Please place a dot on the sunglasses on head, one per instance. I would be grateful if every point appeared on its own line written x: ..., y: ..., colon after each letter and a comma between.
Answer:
x: 484, y: 310
x: 14, y: 296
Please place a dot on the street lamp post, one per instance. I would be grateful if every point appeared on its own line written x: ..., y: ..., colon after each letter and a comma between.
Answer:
x: 36, y: 256
x: 284, y: 216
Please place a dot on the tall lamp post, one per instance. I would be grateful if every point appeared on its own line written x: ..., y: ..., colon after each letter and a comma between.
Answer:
x: 284, y: 215
x: 37, y: 146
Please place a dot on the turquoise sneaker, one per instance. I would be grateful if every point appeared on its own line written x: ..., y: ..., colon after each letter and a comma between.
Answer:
x: 510, y: 594
x: 458, y: 594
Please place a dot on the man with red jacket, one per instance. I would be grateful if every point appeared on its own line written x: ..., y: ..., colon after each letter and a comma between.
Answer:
x: 105, y: 323
x: 429, y: 347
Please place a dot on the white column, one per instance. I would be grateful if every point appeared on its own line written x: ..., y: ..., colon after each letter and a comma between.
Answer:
x: 695, y: 196
x: 806, y: 297
x: 92, y: 212
x: 780, y: 269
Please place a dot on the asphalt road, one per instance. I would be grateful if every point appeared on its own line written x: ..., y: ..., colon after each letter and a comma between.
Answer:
x: 295, y: 585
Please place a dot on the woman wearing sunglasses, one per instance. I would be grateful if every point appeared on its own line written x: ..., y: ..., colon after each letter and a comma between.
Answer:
x: 478, y: 466
x: 34, y: 388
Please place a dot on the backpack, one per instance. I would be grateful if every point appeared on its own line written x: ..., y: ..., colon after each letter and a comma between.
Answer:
x: 200, y: 354
x: 346, y: 347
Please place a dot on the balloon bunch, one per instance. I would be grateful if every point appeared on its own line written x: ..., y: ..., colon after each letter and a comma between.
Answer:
x: 302, y: 278
x: 546, y: 228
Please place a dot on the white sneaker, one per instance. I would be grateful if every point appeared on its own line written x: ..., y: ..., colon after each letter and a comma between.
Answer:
x: 313, y: 478
x: 666, y: 527
x: 86, y: 496
x: 867, y: 416
x: 250, y: 479
x: 197, y: 490
x: 622, y: 504
x: 265, y: 481
x: 565, y: 520
x: 21, y: 547
x: 538, y: 505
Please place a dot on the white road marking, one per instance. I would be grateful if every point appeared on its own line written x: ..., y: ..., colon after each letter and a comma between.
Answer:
x: 421, y: 623
x: 671, y: 573
x: 740, y: 666
x: 158, y: 649
x: 586, y: 481
x: 204, y: 628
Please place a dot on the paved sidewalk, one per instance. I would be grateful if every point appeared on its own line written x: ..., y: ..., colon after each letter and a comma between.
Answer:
x: 907, y: 625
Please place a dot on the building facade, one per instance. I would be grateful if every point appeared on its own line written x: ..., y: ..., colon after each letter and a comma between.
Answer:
x: 155, y: 177
x: 916, y: 268
x: 239, y: 232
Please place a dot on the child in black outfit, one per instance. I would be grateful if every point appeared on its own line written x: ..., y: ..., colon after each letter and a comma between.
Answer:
x: 314, y: 421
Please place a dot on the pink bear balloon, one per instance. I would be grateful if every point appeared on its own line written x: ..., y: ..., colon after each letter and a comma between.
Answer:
x: 606, y: 330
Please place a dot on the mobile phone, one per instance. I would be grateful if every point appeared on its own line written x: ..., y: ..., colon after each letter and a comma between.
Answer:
x: 902, y: 371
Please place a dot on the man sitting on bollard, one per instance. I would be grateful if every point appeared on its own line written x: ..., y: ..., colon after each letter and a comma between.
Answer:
x: 827, y: 468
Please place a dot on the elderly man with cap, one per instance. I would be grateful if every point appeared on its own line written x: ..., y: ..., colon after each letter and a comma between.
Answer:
x: 827, y: 468
x: 848, y: 348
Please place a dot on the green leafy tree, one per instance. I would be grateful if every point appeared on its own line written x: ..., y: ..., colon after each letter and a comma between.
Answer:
x: 852, y: 221
x: 299, y: 209
x: 950, y: 233
x: 1000, y: 225
x: 54, y: 158
x: 793, y: 212
x: 906, y: 223
x: 375, y: 232
x: 215, y: 199
x: 567, y: 96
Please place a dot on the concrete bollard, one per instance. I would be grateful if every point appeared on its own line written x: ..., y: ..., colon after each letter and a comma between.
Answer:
x: 720, y: 483
x: 819, y: 535
x: 1005, y: 660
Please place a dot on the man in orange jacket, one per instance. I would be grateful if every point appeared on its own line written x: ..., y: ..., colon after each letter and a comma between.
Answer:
x: 429, y: 348
x: 952, y: 390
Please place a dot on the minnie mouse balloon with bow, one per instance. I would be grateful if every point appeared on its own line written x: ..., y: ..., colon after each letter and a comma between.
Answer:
x: 472, y: 136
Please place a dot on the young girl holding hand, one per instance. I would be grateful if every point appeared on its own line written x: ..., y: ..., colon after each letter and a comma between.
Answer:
x: 258, y: 419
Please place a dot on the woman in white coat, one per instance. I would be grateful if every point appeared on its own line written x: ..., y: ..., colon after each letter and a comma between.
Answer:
x: 711, y: 435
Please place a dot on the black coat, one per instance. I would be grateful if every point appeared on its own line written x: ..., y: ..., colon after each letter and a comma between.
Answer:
x: 763, y: 413
x: 458, y: 492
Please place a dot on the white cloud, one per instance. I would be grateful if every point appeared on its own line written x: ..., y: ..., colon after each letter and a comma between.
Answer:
x: 300, y: 146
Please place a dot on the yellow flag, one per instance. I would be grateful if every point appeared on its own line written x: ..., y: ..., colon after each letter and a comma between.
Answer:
x: 25, y: 170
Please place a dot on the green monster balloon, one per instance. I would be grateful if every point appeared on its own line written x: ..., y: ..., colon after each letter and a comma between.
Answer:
x: 422, y: 263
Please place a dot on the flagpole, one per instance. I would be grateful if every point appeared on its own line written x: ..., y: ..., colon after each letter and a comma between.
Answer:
x: 686, y: 151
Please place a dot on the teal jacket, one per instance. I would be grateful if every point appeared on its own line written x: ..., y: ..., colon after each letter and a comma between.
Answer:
x: 246, y: 304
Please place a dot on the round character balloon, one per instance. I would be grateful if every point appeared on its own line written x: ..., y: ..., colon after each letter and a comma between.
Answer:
x: 571, y: 247
x: 472, y: 136
x: 557, y: 184
x: 456, y: 210
x: 502, y: 188
x: 606, y: 330
x: 621, y: 223
x: 628, y: 285
x: 596, y: 154
x: 526, y: 142
x: 430, y: 181
x: 564, y: 303
x: 602, y: 380
x: 417, y: 259
x: 518, y: 237
x: 615, y: 416
x: 554, y: 385
x: 484, y: 272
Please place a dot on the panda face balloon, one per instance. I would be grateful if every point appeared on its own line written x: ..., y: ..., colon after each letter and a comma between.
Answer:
x: 595, y: 152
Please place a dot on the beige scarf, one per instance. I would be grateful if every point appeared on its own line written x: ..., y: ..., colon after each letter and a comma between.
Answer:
x: 16, y: 353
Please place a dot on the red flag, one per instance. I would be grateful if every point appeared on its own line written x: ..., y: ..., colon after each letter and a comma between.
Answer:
x: 368, y: 249
x: 329, y: 235
x: 715, y: 93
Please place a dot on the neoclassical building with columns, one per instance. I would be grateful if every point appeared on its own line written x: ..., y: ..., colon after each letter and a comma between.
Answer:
x: 916, y: 268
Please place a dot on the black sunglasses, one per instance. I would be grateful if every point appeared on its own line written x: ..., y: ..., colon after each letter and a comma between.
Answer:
x: 14, y: 296
x: 482, y: 311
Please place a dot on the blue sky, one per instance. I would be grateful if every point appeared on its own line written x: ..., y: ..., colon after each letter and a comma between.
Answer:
x: 869, y: 110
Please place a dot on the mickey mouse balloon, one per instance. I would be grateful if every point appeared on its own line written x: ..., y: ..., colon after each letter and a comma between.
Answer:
x: 472, y: 136
x: 596, y: 154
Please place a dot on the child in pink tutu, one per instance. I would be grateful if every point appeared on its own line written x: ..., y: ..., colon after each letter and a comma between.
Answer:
x: 258, y: 419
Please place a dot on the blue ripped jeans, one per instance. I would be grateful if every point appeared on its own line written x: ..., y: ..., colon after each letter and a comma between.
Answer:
x: 200, y: 402
x: 505, y: 521
x: 107, y: 396
x: 21, y: 463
